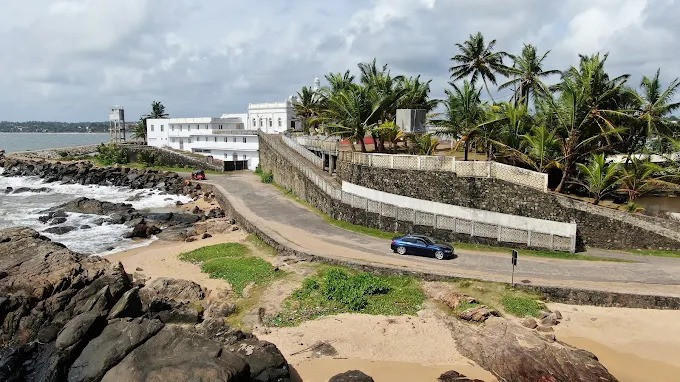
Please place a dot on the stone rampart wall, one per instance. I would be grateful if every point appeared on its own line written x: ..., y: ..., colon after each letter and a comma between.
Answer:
x: 597, y: 226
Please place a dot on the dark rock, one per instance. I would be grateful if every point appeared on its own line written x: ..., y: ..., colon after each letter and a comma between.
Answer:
x: 115, y: 342
x: 60, y: 230
x: 85, y: 226
x: 174, y: 354
x: 55, y: 221
x: 351, y: 376
x: 265, y: 360
x: 85, y: 205
x: 206, y: 236
x: 454, y: 376
x: 549, y: 320
x: 190, y: 239
x: 220, y: 310
x: 174, y: 289
x: 78, y: 330
x: 140, y: 231
x: 129, y: 305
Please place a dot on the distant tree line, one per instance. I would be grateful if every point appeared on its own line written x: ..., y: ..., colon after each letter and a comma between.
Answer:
x: 53, y: 127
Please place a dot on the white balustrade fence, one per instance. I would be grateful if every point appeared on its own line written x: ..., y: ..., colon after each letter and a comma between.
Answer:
x: 476, y: 169
x: 476, y: 223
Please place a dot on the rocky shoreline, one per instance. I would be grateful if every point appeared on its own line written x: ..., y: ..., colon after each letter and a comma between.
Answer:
x: 86, y: 173
x: 68, y: 316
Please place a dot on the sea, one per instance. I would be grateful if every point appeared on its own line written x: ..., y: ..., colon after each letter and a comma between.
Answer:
x: 13, y: 142
x: 23, y: 209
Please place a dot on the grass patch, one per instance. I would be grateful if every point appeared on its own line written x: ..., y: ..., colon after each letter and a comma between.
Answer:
x: 261, y: 245
x: 240, y: 271
x: 210, y: 252
x: 233, y: 263
x: 336, y: 290
x: 655, y: 252
x: 265, y: 176
x: 521, y: 306
x: 545, y: 253
x: 503, y: 297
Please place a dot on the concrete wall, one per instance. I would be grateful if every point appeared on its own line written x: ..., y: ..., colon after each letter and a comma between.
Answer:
x: 165, y: 157
x: 597, y: 226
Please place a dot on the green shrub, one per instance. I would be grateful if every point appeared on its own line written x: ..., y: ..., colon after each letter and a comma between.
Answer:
x: 265, y: 176
x: 338, y: 290
x: 147, y: 158
x: 112, y: 154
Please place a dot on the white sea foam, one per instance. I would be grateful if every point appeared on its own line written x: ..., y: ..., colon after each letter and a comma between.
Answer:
x: 23, y: 209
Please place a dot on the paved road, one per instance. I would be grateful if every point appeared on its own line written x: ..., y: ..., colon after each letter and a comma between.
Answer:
x: 268, y: 207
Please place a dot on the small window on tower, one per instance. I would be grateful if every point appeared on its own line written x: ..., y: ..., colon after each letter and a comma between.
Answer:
x: 270, y: 122
x: 151, y: 127
x: 292, y: 124
x: 279, y: 122
x: 244, y: 140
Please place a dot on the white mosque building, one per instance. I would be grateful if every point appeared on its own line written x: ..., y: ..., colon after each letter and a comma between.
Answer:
x: 231, y: 137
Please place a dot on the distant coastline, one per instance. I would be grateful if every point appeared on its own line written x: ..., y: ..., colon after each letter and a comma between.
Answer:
x: 20, y: 141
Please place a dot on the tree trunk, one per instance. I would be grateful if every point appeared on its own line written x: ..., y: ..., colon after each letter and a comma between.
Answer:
x: 363, y: 144
x: 487, y: 90
x: 467, y: 148
x: 597, y: 200
x: 565, y: 175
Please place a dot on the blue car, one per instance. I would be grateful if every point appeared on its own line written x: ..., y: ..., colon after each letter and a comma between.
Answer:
x: 421, y: 245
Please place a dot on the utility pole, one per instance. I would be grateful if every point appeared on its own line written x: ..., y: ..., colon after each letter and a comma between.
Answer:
x: 514, y: 264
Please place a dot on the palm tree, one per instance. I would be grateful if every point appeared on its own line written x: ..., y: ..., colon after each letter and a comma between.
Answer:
x: 415, y: 94
x: 352, y: 112
x: 424, y: 144
x: 640, y: 176
x: 656, y: 105
x: 157, y: 111
x: 390, y: 133
x: 476, y: 59
x: 528, y: 73
x: 599, y: 177
x: 585, y: 112
x: 307, y: 107
x: 541, y: 147
x: 338, y: 81
x: 139, y: 131
x: 464, y: 114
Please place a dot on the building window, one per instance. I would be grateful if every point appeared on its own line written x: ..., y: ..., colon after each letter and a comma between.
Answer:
x: 270, y: 122
x: 180, y: 127
x: 162, y: 127
x: 225, y: 139
x: 254, y: 124
x: 279, y: 122
x: 151, y: 127
x: 220, y: 127
x: 234, y: 139
x: 172, y: 127
x: 245, y: 140
x: 260, y: 122
x: 292, y: 124
x: 244, y: 156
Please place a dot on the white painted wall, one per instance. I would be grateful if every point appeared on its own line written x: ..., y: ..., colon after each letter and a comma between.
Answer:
x: 482, y: 216
x: 272, y: 117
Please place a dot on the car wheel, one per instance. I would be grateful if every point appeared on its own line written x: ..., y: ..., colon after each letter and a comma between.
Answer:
x: 401, y: 250
x: 439, y: 255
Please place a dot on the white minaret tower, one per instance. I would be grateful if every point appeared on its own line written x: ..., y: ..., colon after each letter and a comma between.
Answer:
x: 317, y: 84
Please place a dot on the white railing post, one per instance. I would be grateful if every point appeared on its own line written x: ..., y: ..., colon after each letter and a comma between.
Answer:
x: 391, y: 161
x: 552, y: 241
x: 529, y: 238
x: 488, y: 169
x: 370, y: 161
x: 498, y: 232
x: 419, y: 161
x: 453, y: 165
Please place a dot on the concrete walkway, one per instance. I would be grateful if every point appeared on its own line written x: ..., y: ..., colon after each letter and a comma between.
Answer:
x: 267, y: 207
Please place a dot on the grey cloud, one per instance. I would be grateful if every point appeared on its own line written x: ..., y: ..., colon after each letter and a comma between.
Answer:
x: 211, y: 57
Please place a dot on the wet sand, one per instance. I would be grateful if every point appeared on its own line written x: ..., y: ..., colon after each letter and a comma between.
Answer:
x: 633, y: 344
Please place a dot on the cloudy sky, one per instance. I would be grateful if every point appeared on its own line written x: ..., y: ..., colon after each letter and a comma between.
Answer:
x: 70, y: 60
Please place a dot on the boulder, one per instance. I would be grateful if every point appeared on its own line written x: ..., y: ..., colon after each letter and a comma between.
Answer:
x: 90, y: 206
x: 454, y: 376
x: 129, y: 305
x: 514, y: 353
x: 478, y: 314
x: 173, y: 289
x: 61, y: 230
x: 174, y: 354
x: 351, y: 376
x: 118, y: 339
x: 549, y: 320
x: 265, y: 360
x: 529, y: 322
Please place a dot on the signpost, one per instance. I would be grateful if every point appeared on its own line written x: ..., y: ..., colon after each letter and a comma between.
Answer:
x: 514, y: 264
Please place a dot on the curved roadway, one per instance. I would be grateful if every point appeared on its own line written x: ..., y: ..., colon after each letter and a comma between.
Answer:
x: 303, y: 229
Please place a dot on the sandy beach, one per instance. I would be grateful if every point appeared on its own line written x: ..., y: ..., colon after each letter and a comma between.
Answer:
x: 634, y: 344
